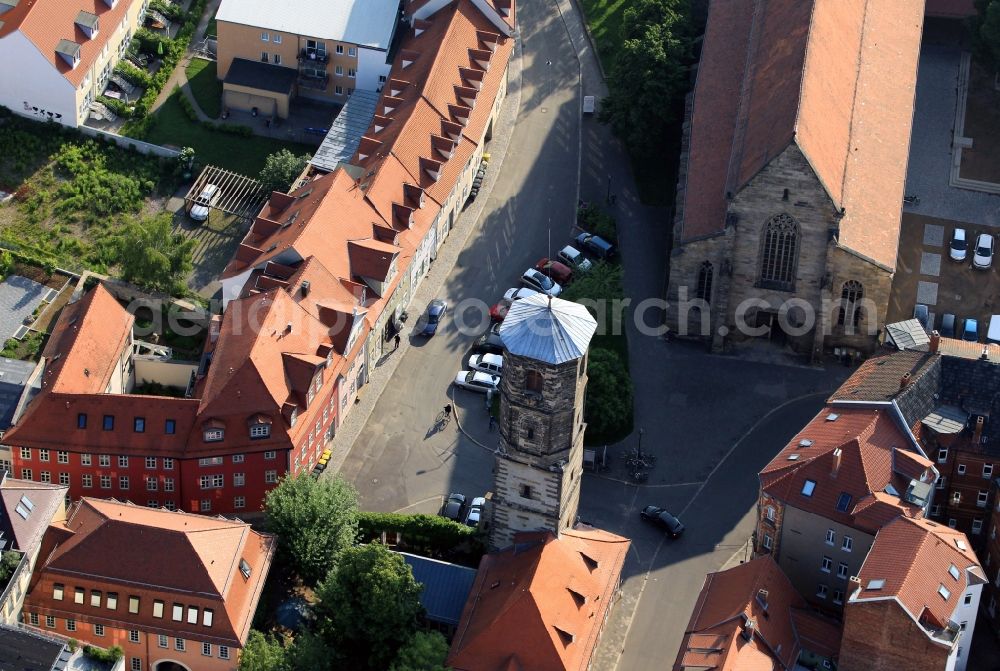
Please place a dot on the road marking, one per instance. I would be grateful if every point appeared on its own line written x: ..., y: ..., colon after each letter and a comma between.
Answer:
x: 656, y: 552
x: 417, y: 503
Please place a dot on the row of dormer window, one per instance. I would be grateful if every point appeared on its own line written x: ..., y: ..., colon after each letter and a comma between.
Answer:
x: 210, y: 435
x: 104, y: 460
x: 110, y: 602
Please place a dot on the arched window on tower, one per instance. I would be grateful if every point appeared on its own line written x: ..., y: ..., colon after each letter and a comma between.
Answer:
x: 705, y: 276
x: 779, y: 253
x: 849, y: 314
x: 533, y: 381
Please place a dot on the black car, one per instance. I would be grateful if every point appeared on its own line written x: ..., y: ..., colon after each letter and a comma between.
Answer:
x: 660, y: 517
x: 489, y: 342
x: 453, y: 507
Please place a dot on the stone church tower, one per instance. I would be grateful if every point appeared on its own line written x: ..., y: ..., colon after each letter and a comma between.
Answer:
x: 539, y: 460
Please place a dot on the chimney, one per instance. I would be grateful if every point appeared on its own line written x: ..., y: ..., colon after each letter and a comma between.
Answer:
x: 935, y: 341
x: 854, y: 586
x: 837, y: 453
x: 978, y: 433
x: 305, y: 288
x: 288, y: 327
x: 905, y: 380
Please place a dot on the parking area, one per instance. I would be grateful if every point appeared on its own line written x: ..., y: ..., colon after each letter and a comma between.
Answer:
x: 925, y: 274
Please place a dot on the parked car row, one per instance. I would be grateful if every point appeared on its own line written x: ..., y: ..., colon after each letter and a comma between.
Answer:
x: 455, y: 509
x: 953, y: 327
x: 982, y: 256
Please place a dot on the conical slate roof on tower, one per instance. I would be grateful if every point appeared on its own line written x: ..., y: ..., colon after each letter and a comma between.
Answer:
x: 547, y: 329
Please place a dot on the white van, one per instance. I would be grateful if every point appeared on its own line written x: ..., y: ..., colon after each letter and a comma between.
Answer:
x: 993, y: 333
x: 204, y: 202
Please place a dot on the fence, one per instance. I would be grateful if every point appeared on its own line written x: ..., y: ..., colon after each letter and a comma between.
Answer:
x: 129, y: 143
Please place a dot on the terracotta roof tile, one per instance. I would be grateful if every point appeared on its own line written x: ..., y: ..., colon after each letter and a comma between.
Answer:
x: 196, y: 555
x: 879, y: 378
x: 46, y: 22
x: 914, y: 558
x: 548, y: 591
x: 837, y: 77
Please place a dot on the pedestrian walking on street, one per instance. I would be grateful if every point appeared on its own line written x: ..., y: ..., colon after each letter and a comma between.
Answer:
x: 493, y: 423
x: 397, y: 342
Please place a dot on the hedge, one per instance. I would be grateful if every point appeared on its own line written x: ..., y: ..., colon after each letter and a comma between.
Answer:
x: 427, y: 532
x: 132, y: 74
x: 119, y: 107
x: 111, y: 655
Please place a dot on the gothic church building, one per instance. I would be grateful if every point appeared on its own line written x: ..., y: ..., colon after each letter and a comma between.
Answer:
x: 792, y: 172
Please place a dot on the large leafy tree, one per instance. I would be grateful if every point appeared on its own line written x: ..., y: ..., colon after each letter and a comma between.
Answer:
x: 280, y: 170
x: 368, y: 606
x: 151, y: 255
x: 263, y: 653
x: 314, y: 519
x: 649, y: 75
x: 609, y: 393
x: 425, y: 651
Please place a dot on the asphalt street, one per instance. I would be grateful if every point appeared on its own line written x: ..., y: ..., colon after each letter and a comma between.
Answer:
x: 713, y: 421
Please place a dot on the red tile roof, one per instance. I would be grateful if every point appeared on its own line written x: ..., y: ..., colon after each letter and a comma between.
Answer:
x: 867, y: 440
x: 196, y: 559
x: 554, y: 593
x: 24, y: 532
x: 83, y: 352
x: 46, y: 22
x: 750, y: 617
x: 914, y: 558
x: 837, y: 78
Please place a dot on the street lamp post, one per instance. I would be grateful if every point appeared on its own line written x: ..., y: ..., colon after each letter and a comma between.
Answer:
x: 607, y: 198
x: 641, y: 431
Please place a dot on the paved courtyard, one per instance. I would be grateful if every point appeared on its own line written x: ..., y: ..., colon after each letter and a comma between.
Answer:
x: 930, y: 146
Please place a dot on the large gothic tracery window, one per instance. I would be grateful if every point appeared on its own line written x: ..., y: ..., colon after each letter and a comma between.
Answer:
x: 850, y: 303
x: 779, y: 253
x: 705, y: 276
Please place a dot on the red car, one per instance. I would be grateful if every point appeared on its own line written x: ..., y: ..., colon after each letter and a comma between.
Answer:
x: 559, y: 272
x: 499, y: 310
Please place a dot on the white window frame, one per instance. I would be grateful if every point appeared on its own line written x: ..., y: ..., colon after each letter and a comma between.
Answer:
x: 848, y: 544
x: 264, y: 37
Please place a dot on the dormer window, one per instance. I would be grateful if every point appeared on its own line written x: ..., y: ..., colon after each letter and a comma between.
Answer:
x: 69, y: 51
x: 213, y: 435
x: 88, y: 23
x: 260, y: 431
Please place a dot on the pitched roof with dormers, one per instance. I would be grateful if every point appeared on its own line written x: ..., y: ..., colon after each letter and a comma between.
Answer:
x: 46, y: 23
x: 751, y: 617
x: 158, y: 554
x: 842, y: 466
x: 26, y: 509
x: 834, y: 77
x: 924, y: 566
x: 553, y: 592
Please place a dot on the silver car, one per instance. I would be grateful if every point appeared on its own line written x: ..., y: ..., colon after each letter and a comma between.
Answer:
x: 475, y: 380
x: 539, y: 282
x: 983, y: 256
x: 205, y: 202
x: 487, y: 363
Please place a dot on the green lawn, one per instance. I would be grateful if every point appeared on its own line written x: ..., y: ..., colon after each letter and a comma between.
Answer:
x: 605, y: 20
x: 244, y: 155
x: 205, y: 86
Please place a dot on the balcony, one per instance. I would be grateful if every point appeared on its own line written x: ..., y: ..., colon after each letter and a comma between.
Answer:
x: 317, y: 82
x: 314, y: 56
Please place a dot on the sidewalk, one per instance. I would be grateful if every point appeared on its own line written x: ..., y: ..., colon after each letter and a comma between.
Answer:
x: 178, y: 78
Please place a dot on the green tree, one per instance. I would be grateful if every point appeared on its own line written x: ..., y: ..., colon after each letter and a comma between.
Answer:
x: 263, y: 652
x: 368, y: 606
x: 280, y: 170
x: 986, y: 31
x: 602, y: 282
x: 649, y: 75
x: 310, y: 651
x: 151, y: 255
x: 425, y: 651
x: 608, y: 409
x: 315, y: 520
x: 8, y: 564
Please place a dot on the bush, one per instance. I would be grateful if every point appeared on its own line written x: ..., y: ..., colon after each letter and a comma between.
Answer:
x: 133, y: 74
x: 111, y: 655
x: 169, y: 10
x: 119, y: 107
x: 6, y: 262
x: 429, y: 533
x: 591, y: 218
x: 608, y: 408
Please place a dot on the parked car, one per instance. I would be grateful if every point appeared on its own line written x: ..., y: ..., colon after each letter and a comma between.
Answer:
x: 475, y: 514
x: 475, y: 380
x: 487, y: 363
x: 500, y: 308
x: 983, y: 257
x: 922, y: 314
x: 661, y: 518
x: 993, y: 331
x: 959, y: 247
x: 970, y: 331
x: 575, y: 259
x: 539, y: 282
x: 205, y: 202
x: 453, y: 507
x: 489, y: 342
x: 947, y: 329
x: 554, y: 270
x: 432, y: 317
x: 596, y: 245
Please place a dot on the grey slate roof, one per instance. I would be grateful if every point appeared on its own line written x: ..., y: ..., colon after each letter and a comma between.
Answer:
x: 13, y: 376
x: 547, y: 329
x: 445, y: 587
x: 26, y: 510
x: 28, y: 651
x: 345, y: 132
x: 264, y: 76
x: 907, y: 334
